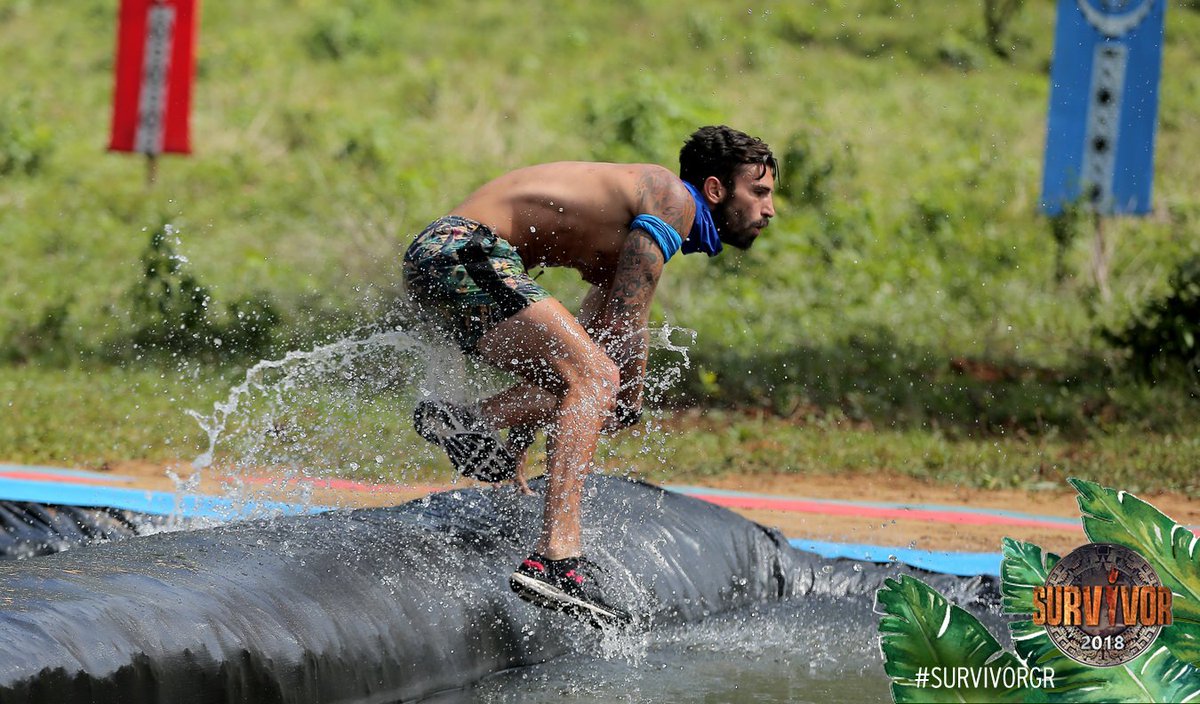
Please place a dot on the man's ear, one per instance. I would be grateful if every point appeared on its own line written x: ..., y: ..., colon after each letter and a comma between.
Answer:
x: 713, y: 190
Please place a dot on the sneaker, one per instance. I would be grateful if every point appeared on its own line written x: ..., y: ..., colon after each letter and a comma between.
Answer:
x: 569, y: 586
x: 475, y: 450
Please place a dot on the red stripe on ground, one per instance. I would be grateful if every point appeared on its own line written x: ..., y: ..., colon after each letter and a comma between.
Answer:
x: 351, y: 485
x: 729, y: 501
x: 342, y: 484
x: 48, y: 477
x: 911, y: 514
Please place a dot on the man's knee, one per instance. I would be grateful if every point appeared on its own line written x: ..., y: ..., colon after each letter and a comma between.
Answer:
x: 596, y: 383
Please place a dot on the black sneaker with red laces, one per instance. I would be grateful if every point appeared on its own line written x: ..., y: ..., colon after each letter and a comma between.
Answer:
x: 567, y: 585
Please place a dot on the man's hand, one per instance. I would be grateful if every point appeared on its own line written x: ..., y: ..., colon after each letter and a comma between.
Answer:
x: 623, y: 416
x: 519, y: 477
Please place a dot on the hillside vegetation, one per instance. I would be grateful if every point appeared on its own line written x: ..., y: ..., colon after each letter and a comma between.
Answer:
x: 909, y: 282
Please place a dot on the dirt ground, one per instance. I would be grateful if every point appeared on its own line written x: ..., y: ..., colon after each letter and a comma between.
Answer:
x: 898, y: 531
x: 926, y: 535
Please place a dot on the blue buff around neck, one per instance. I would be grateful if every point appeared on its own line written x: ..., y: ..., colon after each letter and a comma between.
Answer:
x: 703, y: 236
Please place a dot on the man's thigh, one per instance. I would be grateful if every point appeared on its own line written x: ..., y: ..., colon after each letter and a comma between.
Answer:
x: 544, y: 344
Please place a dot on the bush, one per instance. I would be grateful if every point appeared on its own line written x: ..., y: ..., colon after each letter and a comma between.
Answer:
x: 173, y: 312
x: 645, y: 123
x: 1065, y: 229
x: 24, y: 145
x: 44, y: 338
x: 810, y: 167
x: 340, y: 32
x: 997, y: 16
x: 956, y: 50
x: 1167, y: 330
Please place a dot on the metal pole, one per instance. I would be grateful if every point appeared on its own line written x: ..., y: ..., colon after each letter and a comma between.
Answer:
x: 1100, y: 260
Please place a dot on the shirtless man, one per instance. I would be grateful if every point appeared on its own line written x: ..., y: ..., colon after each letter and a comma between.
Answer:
x: 617, y: 225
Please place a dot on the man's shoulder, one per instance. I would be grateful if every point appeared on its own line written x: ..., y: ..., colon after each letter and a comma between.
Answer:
x: 651, y: 188
x: 660, y: 193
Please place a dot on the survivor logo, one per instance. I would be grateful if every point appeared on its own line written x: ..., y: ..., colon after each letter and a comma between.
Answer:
x: 1102, y: 605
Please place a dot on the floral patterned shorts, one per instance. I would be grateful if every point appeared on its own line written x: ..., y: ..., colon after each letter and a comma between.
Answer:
x: 466, y: 279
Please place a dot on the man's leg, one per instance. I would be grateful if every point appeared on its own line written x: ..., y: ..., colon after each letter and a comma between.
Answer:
x: 527, y: 403
x: 525, y: 409
x: 547, y: 347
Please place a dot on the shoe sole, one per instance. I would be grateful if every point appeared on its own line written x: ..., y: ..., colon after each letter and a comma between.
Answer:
x: 436, y: 426
x: 541, y: 594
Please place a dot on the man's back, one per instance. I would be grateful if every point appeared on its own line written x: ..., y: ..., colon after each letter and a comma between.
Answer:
x: 577, y: 214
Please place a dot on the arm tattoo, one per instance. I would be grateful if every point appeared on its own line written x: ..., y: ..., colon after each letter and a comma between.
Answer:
x: 639, y: 266
x: 627, y: 311
x: 636, y: 277
x: 662, y: 194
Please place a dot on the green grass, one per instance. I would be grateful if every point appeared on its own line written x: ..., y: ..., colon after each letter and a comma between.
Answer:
x: 357, y: 425
x: 1126, y: 456
x: 89, y: 416
x: 325, y: 424
x: 908, y: 287
x: 311, y: 171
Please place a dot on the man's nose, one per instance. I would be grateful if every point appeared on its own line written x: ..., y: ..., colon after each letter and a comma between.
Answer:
x: 769, y: 208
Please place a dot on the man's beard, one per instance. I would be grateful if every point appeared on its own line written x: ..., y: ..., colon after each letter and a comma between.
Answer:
x: 741, y: 239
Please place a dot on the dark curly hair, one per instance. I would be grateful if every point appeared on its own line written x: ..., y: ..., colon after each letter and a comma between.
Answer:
x: 718, y: 151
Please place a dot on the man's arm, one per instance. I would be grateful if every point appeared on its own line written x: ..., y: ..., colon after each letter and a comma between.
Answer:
x: 622, y: 323
x: 625, y: 313
x: 592, y: 308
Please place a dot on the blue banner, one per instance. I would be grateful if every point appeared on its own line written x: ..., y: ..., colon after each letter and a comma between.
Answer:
x: 1103, y: 106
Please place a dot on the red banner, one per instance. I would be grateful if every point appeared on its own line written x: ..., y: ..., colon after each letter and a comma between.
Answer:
x: 152, y: 99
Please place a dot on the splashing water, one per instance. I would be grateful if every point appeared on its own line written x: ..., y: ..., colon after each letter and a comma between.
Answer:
x: 343, y: 410
x: 337, y: 410
x: 292, y: 369
x: 660, y: 338
x: 789, y: 652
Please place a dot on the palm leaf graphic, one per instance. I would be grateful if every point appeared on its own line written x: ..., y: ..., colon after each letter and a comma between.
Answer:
x: 1154, y: 676
x: 920, y: 629
x: 1111, y: 516
x: 1024, y: 567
